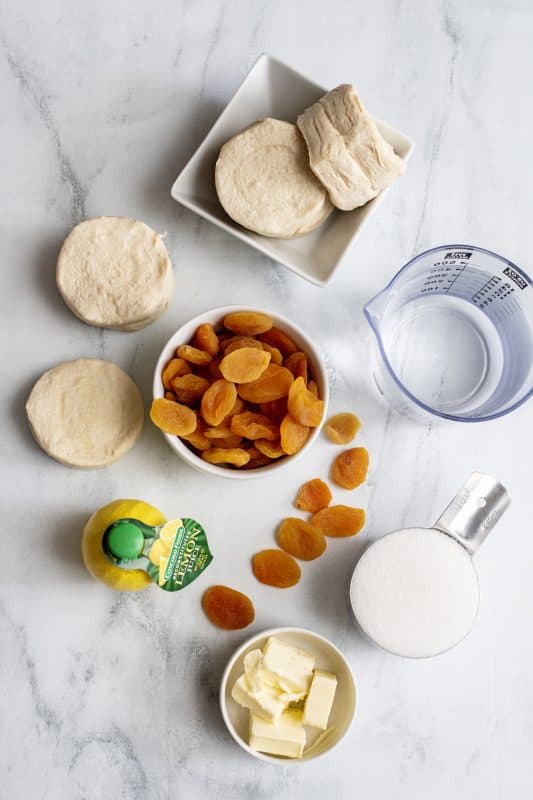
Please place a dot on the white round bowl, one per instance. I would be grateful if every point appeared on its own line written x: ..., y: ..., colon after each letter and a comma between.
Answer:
x: 328, y: 657
x: 215, y: 316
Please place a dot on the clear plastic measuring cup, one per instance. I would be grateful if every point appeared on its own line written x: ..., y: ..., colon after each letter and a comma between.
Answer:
x: 454, y: 335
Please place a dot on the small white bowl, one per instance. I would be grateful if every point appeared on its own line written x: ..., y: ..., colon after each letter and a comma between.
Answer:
x: 273, y: 89
x: 215, y: 316
x: 328, y: 657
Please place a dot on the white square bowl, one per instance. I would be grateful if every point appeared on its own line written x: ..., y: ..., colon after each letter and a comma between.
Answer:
x: 273, y: 89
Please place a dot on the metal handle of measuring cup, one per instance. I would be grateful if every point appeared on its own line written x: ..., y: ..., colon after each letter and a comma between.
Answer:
x: 474, y: 511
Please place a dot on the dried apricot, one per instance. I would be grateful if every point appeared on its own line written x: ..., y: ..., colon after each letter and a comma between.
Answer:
x: 350, y: 467
x: 313, y: 388
x: 275, y: 409
x: 257, y: 459
x: 218, y: 401
x: 313, y: 496
x: 293, y: 435
x: 197, y: 438
x: 276, y: 568
x: 170, y: 396
x: 227, y: 608
x: 274, y: 383
x: 278, y: 338
x: 220, y: 432
x: 339, y: 521
x: 214, y: 369
x: 270, y: 449
x: 220, y: 455
x: 301, y: 539
x: 236, y: 342
x: 275, y: 355
x: 254, y: 426
x: 239, y: 406
x: 229, y: 442
x: 297, y: 363
x: 247, y: 323
x: 172, y: 417
x: 342, y: 428
x: 189, y: 388
x: 303, y: 406
x: 244, y: 365
x: 206, y: 339
x: 174, y: 368
x: 193, y: 355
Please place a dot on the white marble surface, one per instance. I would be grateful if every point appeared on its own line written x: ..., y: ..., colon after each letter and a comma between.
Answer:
x: 111, y: 696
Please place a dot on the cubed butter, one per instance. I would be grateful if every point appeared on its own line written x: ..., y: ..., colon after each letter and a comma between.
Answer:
x: 253, y: 662
x: 285, y: 737
x: 266, y: 703
x: 319, y: 701
x: 290, y: 668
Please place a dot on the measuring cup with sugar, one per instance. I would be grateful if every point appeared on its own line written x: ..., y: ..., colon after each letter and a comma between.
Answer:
x: 454, y: 335
x: 415, y: 591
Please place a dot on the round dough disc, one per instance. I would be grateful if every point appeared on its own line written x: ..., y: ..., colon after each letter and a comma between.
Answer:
x: 114, y: 272
x: 264, y: 182
x: 85, y: 413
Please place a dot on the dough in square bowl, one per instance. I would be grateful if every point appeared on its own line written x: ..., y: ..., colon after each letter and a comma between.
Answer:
x: 346, y: 150
x: 85, y: 413
x: 114, y: 272
x: 264, y: 183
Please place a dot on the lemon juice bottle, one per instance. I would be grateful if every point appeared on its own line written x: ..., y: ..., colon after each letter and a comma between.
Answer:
x: 128, y: 545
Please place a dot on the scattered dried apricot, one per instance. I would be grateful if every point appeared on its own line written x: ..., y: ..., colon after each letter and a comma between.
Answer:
x: 275, y: 355
x: 172, y: 417
x: 278, y: 338
x: 231, y: 455
x: 297, y: 363
x: 247, y: 323
x: 313, y: 496
x: 244, y: 365
x: 236, y: 342
x: 274, y: 383
x: 254, y: 426
x: 339, y: 521
x: 276, y: 568
x: 189, y: 388
x: 301, y: 539
x: 350, y: 467
x: 193, y: 355
x: 270, y: 449
x: 293, y: 435
x: 227, y: 608
x: 218, y: 401
x: 174, y: 368
x: 341, y: 428
x: 206, y: 339
x: 303, y: 406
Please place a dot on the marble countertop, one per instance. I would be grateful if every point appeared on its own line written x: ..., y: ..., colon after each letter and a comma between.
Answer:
x: 104, y: 695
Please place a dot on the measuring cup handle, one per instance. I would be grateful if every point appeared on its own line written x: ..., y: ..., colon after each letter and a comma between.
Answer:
x: 474, y: 511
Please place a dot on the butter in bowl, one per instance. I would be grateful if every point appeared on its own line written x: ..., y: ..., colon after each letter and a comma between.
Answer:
x: 288, y: 695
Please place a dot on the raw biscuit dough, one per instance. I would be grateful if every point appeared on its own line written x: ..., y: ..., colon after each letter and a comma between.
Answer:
x: 346, y: 151
x: 85, y: 413
x: 114, y: 272
x: 264, y: 183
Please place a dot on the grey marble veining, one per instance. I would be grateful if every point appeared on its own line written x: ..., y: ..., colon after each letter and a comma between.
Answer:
x: 115, y: 696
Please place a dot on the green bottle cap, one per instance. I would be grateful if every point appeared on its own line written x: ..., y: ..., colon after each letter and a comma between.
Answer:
x: 124, y: 540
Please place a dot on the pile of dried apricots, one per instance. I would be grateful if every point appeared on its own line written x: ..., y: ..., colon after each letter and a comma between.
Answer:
x: 240, y: 395
x: 298, y: 538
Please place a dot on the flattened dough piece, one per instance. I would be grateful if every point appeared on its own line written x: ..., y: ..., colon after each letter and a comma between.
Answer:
x: 264, y: 183
x: 114, y: 272
x: 346, y: 151
x: 85, y: 413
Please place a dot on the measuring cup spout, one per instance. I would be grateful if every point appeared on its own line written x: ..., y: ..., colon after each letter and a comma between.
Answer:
x: 375, y: 309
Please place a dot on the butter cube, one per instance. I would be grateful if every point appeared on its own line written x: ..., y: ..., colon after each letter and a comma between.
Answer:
x: 266, y: 703
x: 285, y: 737
x: 286, y: 666
x: 319, y: 701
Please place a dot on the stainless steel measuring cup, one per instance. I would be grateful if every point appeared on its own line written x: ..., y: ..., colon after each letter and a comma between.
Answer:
x: 454, y: 335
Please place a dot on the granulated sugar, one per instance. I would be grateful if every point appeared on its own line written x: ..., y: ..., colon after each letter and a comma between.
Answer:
x: 415, y: 592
